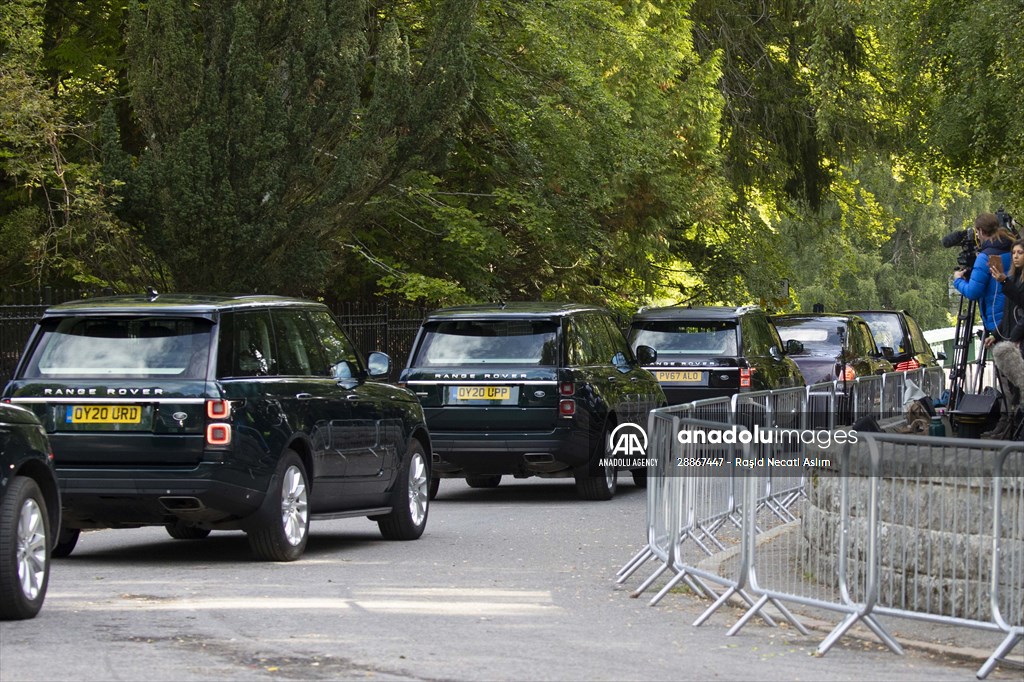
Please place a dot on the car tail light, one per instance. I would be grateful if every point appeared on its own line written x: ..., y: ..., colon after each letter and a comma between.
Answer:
x: 218, y: 409
x: 566, y: 388
x: 745, y: 374
x: 567, y: 407
x: 849, y: 373
x: 218, y: 433
x: 907, y: 365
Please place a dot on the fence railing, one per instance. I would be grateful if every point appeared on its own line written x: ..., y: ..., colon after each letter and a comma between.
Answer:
x: 915, y: 527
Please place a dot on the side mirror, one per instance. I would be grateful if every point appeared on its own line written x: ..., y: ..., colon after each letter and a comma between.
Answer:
x: 887, y: 352
x: 378, y: 365
x: 646, y: 355
x: 940, y: 355
x: 794, y: 347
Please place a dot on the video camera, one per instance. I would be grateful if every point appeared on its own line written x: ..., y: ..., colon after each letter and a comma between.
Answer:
x: 967, y: 240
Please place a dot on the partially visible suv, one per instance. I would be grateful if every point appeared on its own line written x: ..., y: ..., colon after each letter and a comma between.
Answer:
x: 899, y: 337
x: 710, y: 352
x: 203, y: 413
x: 832, y: 347
x: 528, y: 389
x: 29, y: 513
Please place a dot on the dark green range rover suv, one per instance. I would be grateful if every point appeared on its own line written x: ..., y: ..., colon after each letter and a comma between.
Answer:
x: 528, y: 389
x: 202, y: 413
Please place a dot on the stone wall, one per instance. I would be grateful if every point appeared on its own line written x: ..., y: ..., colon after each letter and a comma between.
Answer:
x: 935, y: 511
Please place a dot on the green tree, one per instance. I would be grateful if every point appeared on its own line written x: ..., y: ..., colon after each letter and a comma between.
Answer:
x: 269, y: 125
x: 588, y: 160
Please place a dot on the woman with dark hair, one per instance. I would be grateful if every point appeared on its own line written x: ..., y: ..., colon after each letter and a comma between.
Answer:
x: 1006, y: 342
x: 994, y: 243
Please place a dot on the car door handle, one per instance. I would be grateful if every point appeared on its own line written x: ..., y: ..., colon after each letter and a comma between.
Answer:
x: 613, y: 378
x: 352, y: 396
x: 303, y: 396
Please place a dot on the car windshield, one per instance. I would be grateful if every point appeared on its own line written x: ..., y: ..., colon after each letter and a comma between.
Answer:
x: 819, y: 337
x: 128, y: 347
x: 492, y: 342
x: 686, y: 337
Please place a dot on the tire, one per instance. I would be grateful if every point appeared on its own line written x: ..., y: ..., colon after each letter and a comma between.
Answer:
x: 283, y: 528
x: 435, y: 485
x: 639, y: 477
x: 182, y: 530
x: 24, y: 550
x: 595, y: 482
x: 410, y: 502
x: 66, y: 541
x: 483, y: 481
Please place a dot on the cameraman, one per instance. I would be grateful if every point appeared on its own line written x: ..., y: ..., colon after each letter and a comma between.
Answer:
x: 995, y: 242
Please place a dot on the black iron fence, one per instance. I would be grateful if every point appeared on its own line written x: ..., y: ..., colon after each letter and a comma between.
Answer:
x: 372, y: 326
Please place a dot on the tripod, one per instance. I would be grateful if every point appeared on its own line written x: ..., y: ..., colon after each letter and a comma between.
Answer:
x: 962, y: 338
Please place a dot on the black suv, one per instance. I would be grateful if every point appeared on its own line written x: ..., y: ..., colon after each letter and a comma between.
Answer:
x: 221, y: 412
x: 711, y: 352
x: 832, y: 346
x: 528, y: 389
x: 899, y: 338
x: 29, y: 513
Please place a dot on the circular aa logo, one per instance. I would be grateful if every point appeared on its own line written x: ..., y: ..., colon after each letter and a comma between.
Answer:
x: 628, y: 440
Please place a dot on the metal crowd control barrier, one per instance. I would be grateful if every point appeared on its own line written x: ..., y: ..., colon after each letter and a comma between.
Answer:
x: 805, y: 560
x: 929, y: 529
x: 952, y: 510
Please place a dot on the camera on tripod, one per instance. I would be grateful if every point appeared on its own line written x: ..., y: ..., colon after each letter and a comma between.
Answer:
x: 967, y: 240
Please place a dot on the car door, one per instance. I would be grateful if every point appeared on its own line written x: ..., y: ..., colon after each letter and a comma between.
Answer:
x: 641, y: 391
x: 364, y: 439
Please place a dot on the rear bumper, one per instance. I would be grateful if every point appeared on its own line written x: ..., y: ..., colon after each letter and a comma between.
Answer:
x: 522, y: 453
x: 677, y: 395
x: 121, y: 497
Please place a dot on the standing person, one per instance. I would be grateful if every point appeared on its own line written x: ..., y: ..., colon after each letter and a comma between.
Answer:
x: 1006, y: 342
x: 994, y: 242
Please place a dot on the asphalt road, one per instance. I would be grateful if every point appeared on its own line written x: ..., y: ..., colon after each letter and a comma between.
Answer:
x: 512, y: 583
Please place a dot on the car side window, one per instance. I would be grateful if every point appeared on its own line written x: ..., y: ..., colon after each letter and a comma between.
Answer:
x: 298, y: 351
x: 757, y: 338
x: 621, y: 354
x: 595, y: 335
x: 865, y: 340
x: 341, y: 357
x: 920, y: 345
x: 246, y: 345
x: 579, y: 347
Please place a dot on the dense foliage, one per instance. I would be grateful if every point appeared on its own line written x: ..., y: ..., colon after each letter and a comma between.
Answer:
x: 621, y: 151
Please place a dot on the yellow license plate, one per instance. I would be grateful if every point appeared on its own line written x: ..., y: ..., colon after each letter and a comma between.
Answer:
x: 483, y: 392
x: 680, y: 377
x: 104, y: 414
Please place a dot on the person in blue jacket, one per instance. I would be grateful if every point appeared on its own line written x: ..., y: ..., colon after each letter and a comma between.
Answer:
x: 993, y: 242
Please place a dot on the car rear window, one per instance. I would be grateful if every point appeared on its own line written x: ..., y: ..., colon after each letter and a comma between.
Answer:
x: 123, y: 347
x: 817, y: 336
x: 494, y: 342
x: 686, y: 337
x: 887, y: 330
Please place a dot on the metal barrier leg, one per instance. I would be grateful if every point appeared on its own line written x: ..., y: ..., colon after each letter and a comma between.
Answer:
x: 647, y: 583
x: 630, y: 567
x: 1000, y: 653
x: 852, y: 620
